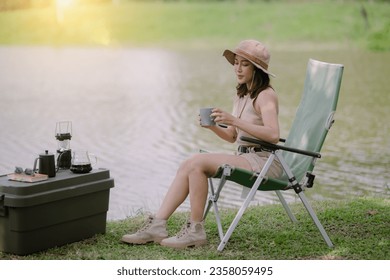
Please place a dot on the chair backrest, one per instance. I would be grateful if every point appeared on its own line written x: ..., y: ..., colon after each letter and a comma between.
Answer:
x: 314, y: 115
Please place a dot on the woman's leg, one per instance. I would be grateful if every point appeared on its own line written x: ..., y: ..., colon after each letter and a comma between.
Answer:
x: 191, y: 179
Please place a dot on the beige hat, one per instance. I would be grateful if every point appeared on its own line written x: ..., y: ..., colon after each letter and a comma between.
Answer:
x: 253, y: 51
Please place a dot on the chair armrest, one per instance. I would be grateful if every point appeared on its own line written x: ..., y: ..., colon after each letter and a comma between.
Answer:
x: 274, y: 147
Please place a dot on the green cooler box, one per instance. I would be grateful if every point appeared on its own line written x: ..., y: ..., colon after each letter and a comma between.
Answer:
x: 63, y: 209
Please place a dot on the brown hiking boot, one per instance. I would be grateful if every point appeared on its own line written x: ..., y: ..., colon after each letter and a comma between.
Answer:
x: 191, y: 235
x: 154, y: 230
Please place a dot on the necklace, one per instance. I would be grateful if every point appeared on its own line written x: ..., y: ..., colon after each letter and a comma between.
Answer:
x: 242, y: 109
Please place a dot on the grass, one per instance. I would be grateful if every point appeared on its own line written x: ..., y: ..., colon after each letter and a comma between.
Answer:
x: 188, y: 24
x: 359, y: 228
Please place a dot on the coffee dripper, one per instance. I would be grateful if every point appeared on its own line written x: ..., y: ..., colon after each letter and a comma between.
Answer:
x: 63, y: 135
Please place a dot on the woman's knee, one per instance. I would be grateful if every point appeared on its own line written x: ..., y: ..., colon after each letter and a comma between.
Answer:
x: 195, y: 163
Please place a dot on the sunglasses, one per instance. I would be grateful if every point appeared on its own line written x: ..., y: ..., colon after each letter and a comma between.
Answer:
x: 27, y: 171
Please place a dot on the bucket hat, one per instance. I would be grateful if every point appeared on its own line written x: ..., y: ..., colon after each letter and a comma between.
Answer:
x: 252, y: 50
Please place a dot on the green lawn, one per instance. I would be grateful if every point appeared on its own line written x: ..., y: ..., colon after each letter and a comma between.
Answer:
x: 204, y: 24
x: 359, y: 229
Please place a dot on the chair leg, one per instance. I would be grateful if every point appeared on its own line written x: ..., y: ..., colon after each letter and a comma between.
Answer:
x: 214, y: 196
x: 315, y: 219
x: 212, y: 201
x: 286, y: 207
x: 305, y: 202
x: 247, y: 200
x: 210, y: 198
x: 218, y: 219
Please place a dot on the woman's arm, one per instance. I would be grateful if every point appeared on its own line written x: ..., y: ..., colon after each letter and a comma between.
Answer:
x: 227, y: 133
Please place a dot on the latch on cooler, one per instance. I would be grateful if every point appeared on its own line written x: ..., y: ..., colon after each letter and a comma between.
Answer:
x: 3, y: 209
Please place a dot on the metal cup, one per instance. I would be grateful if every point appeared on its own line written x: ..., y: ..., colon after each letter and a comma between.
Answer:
x: 205, y: 118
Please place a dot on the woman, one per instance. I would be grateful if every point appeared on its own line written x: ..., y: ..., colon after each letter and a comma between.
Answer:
x: 255, y: 114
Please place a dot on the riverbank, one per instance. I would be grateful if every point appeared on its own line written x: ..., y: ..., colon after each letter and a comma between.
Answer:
x: 359, y: 228
x: 190, y: 24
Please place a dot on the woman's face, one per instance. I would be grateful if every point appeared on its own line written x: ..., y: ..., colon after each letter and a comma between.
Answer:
x: 244, y: 70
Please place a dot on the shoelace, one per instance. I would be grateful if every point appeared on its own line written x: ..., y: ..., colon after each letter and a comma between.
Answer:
x: 184, y: 230
x: 147, y: 224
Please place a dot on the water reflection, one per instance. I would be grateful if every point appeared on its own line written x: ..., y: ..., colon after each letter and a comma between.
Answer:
x: 137, y: 110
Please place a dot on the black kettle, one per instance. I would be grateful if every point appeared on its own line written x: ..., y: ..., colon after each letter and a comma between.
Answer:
x: 46, y: 164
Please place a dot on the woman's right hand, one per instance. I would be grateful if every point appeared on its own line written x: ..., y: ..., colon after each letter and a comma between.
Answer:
x: 222, y: 117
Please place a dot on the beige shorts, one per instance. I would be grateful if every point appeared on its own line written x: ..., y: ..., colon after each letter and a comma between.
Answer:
x: 257, y: 161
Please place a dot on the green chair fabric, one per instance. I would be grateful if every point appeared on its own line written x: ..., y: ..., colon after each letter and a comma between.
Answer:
x: 314, y: 116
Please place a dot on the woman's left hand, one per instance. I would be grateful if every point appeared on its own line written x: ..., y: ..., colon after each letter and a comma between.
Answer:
x: 222, y: 117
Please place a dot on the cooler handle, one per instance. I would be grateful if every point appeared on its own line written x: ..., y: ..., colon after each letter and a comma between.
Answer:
x: 3, y: 209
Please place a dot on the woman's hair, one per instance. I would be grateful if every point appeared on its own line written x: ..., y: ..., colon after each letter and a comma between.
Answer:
x: 261, y: 82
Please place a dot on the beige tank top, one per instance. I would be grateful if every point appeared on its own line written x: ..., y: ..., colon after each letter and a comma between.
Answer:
x: 243, y: 108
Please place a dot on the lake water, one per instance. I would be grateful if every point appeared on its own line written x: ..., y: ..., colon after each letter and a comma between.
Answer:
x: 137, y: 110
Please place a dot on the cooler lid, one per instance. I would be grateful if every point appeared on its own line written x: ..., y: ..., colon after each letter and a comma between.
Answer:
x: 64, y: 184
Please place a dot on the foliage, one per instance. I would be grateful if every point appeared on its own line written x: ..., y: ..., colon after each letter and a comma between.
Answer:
x: 194, y: 23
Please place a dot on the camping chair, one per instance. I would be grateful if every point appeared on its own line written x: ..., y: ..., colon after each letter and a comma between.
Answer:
x: 297, y: 155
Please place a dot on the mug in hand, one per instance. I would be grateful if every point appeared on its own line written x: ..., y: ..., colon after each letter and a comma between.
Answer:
x: 205, y: 118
